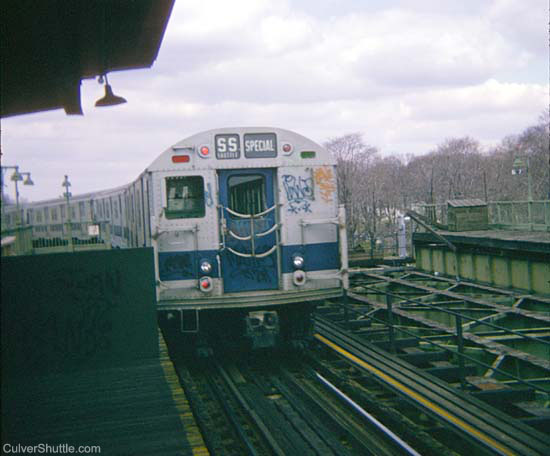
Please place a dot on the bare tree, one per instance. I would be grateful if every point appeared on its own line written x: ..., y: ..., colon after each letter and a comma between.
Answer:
x: 353, y: 157
x: 377, y: 189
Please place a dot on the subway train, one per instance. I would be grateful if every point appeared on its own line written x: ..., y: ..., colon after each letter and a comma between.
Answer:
x: 245, y: 227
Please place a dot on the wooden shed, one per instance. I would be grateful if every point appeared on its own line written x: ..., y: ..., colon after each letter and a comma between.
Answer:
x: 467, y: 215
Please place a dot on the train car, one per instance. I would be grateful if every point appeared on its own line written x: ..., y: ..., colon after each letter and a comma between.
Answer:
x: 246, y: 231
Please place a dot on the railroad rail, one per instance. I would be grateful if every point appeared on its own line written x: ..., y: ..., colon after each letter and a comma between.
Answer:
x: 486, y: 426
x: 280, y: 405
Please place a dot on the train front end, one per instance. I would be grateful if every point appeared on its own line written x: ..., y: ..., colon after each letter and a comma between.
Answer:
x: 248, y: 235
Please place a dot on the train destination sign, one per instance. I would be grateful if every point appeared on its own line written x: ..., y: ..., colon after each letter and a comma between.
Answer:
x: 260, y: 145
x: 228, y: 146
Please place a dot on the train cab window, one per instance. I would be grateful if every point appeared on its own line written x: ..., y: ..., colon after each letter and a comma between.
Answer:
x: 247, y: 194
x: 184, y: 197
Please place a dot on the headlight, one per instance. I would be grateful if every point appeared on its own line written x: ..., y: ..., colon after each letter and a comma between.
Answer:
x: 206, y: 267
x: 298, y: 262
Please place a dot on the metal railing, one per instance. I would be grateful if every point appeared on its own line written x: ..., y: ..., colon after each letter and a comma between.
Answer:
x: 31, y: 240
x: 17, y: 241
x: 527, y: 215
x: 507, y: 215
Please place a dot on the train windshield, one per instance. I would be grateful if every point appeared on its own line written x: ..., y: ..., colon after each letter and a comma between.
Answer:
x: 247, y: 194
x: 184, y: 197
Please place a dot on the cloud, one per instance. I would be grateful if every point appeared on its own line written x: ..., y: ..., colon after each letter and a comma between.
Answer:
x: 490, y: 97
x: 524, y: 24
x: 407, y: 74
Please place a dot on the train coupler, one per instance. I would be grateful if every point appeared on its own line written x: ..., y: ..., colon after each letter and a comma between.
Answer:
x: 262, y: 328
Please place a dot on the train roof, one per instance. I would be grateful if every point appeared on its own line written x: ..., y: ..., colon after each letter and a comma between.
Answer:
x: 242, y: 147
x: 75, y: 198
x: 268, y: 147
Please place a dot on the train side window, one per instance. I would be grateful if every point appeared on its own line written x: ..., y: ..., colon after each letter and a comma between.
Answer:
x: 184, y: 197
x: 247, y: 194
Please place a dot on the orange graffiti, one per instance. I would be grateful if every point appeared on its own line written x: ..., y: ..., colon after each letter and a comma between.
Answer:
x: 324, y: 179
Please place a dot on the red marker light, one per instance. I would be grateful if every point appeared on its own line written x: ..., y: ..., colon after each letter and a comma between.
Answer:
x: 204, y: 151
x: 205, y: 284
x: 287, y: 147
x: 180, y: 158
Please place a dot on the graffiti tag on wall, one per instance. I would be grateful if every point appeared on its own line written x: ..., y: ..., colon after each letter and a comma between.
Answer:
x: 208, y: 195
x: 71, y: 311
x: 324, y: 179
x: 299, y: 193
x: 70, y: 320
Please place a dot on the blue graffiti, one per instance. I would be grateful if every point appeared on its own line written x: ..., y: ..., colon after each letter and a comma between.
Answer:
x: 208, y: 195
x: 299, y: 193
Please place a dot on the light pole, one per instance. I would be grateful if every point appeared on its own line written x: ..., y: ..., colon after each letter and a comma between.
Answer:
x: 67, y: 196
x: 16, y: 177
x: 522, y: 167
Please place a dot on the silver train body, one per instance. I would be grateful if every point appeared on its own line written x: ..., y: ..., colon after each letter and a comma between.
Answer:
x: 244, y: 223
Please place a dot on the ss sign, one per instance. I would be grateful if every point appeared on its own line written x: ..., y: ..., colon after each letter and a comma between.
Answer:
x: 228, y: 146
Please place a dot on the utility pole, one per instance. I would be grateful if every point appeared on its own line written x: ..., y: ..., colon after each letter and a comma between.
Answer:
x: 67, y: 196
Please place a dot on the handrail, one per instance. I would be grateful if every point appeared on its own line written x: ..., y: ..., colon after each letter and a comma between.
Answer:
x: 255, y: 255
x: 252, y: 235
x: 160, y: 231
x: 306, y: 222
x: 248, y: 238
x: 269, y: 231
x: 247, y: 216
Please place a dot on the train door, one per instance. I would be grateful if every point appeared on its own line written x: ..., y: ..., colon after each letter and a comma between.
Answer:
x: 248, y: 223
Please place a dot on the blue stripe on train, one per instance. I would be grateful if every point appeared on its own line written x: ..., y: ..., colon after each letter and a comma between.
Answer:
x: 185, y: 265
x: 317, y: 256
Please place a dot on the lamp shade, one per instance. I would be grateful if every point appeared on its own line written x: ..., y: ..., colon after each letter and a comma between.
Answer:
x: 109, y: 99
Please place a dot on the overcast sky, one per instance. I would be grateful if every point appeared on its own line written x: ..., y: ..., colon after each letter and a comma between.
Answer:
x: 405, y: 73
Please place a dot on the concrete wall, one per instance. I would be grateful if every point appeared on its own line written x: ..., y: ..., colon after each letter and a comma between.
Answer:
x: 84, y: 310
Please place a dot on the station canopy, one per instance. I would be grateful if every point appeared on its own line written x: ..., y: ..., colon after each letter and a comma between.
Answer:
x: 48, y: 47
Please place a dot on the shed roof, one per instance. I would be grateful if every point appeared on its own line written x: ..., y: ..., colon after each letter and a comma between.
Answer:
x: 474, y: 202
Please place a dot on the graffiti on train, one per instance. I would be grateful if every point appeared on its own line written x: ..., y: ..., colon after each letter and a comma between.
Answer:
x: 257, y: 270
x: 208, y: 195
x: 326, y: 181
x: 299, y: 193
x: 176, y: 266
